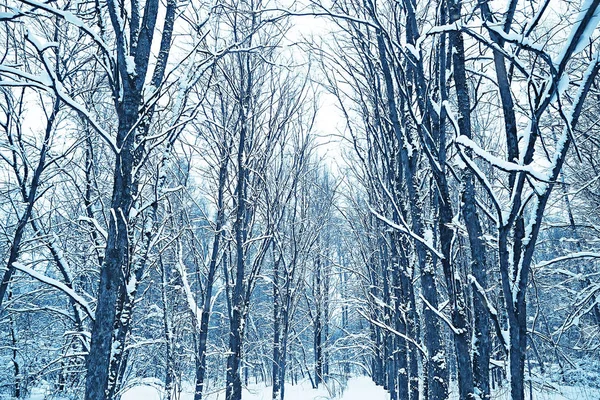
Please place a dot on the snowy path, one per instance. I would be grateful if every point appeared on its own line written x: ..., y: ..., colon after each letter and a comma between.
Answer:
x: 359, y: 388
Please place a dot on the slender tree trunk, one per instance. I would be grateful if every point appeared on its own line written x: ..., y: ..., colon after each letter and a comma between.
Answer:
x: 210, y: 279
x: 277, y: 353
x: 285, y: 318
x: 412, y: 322
x: 29, y: 196
x: 236, y: 323
x: 326, y: 289
x: 169, y: 339
x: 482, y: 341
x: 18, y: 379
x: 318, y: 325
x: 400, y: 347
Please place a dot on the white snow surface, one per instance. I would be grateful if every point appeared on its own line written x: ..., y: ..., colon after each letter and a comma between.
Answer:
x: 358, y: 388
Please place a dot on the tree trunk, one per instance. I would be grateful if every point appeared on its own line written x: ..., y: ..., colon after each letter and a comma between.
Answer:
x: 236, y: 324
x: 210, y: 279
x: 277, y: 358
x: 318, y: 325
x: 169, y: 339
x: 400, y: 347
x: 29, y: 197
x: 131, y: 147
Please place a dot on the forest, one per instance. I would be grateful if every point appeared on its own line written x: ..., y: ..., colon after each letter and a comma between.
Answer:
x: 208, y: 196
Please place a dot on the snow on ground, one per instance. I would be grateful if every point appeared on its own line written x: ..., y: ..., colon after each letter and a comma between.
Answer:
x: 358, y: 388
x: 141, y: 392
x: 557, y: 393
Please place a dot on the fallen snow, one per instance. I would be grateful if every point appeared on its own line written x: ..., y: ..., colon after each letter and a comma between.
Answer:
x: 358, y: 388
x: 142, y: 392
x: 559, y: 393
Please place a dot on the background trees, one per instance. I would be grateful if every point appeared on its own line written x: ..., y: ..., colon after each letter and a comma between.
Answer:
x: 419, y: 96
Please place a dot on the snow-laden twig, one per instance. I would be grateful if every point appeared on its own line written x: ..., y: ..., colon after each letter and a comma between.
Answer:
x: 584, y: 26
x: 498, y: 162
x: 486, y: 185
x: 73, y: 20
x: 191, y: 301
x: 58, y: 285
x: 444, y: 318
x: 327, y: 13
x: 96, y: 224
x: 493, y: 312
x: 407, y: 231
x: 40, y: 81
x: 13, y: 14
x: 392, y: 330
x: 572, y: 256
x: 56, y: 86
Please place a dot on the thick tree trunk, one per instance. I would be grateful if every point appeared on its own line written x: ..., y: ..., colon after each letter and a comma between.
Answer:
x: 131, y: 147
x: 518, y: 350
x: 201, y: 350
x: 233, y: 390
x: 473, y: 225
x: 111, y: 277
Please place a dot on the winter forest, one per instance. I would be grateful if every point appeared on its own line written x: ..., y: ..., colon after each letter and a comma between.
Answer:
x: 311, y: 199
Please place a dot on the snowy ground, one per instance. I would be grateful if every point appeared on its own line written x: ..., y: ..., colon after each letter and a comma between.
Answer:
x: 558, y: 393
x: 358, y: 388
